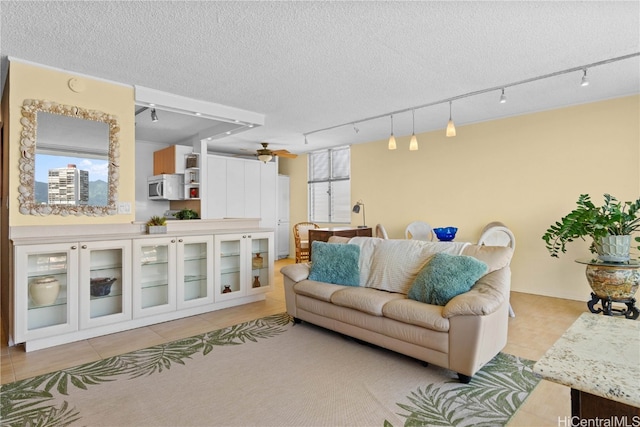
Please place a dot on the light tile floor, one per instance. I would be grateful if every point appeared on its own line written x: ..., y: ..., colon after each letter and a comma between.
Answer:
x: 539, y: 322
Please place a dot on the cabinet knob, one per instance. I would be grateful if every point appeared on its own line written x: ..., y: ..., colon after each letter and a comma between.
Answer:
x: 249, y: 236
x: 180, y: 240
x: 84, y: 246
x: 74, y: 247
x: 244, y: 237
x: 173, y: 241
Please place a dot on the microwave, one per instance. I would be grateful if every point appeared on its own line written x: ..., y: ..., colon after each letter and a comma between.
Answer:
x: 165, y: 187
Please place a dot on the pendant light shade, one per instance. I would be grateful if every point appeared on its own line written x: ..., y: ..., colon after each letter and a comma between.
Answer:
x: 413, y: 144
x: 451, y: 128
x: 392, y: 139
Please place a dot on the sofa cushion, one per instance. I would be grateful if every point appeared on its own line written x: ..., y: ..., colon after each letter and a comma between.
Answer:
x: 446, y: 276
x: 367, y: 300
x: 317, y: 290
x: 396, y: 262
x: 416, y: 313
x: 335, y: 263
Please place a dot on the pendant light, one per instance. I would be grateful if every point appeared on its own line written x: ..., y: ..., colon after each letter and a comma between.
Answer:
x: 451, y: 128
x: 392, y: 139
x: 413, y: 144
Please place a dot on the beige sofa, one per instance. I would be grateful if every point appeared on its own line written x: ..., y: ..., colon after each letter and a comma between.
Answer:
x: 462, y: 335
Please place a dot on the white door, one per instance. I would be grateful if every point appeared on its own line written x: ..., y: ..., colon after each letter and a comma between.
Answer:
x: 216, y: 187
x: 268, y: 197
x: 283, y: 226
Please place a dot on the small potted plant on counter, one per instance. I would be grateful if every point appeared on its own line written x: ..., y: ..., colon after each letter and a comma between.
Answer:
x: 610, y: 226
x: 157, y: 225
x: 186, y: 214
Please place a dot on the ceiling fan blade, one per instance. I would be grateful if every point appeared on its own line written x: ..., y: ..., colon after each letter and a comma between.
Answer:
x: 284, y: 153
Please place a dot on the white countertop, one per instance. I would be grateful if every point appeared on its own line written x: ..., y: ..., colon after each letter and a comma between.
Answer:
x: 137, y: 230
x: 599, y: 355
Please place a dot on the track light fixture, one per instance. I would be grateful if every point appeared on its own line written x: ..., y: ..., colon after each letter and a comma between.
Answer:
x: 413, y: 144
x: 392, y: 139
x: 503, y: 97
x: 585, y: 80
x: 154, y: 116
x: 451, y: 128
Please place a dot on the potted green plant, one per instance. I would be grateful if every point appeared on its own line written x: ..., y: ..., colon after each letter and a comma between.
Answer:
x: 609, y: 226
x: 186, y: 214
x: 157, y: 225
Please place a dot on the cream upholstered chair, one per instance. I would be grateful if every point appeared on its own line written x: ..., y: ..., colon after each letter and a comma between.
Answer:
x: 419, y: 230
x: 497, y: 234
x: 381, y: 232
x: 301, y: 237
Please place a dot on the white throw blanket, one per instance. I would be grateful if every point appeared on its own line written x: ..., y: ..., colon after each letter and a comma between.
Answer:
x: 392, y: 264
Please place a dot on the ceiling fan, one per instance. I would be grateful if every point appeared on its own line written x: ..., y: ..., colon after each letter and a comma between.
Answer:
x: 265, y: 155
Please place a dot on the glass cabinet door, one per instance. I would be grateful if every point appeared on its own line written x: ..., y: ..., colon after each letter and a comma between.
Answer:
x: 195, y: 271
x: 46, y: 291
x: 154, y: 276
x: 105, y: 282
x: 262, y: 247
x: 229, y: 269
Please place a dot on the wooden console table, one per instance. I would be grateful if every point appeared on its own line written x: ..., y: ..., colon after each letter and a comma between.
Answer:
x: 323, y: 234
x: 599, y: 358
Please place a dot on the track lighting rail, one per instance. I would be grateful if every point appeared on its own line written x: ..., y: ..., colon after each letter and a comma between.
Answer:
x: 477, y: 92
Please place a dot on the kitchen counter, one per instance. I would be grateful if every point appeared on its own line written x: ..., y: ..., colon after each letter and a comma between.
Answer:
x: 25, y: 235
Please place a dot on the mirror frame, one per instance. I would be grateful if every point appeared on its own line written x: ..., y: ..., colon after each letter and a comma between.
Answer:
x: 28, y: 142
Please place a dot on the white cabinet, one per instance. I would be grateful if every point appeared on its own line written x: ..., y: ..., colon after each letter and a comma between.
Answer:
x: 39, y: 316
x: 68, y: 290
x: 243, y: 264
x: 63, y: 287
x: 240, y: 188
x: 172, y: 273
x: 105, y: 285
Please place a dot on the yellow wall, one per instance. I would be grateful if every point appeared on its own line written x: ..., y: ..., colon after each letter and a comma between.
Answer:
x: 28, y: 81
x: 525, y: 171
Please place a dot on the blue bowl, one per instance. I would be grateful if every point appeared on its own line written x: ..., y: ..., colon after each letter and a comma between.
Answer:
x: 445, y: 234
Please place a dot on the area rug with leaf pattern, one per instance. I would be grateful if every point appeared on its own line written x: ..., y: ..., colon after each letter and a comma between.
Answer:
x: 267, y: 372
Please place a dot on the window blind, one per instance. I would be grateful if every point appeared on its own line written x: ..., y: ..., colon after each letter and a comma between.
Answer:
x: 330, y: 186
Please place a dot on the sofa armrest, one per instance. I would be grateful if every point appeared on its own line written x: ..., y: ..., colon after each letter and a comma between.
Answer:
x: 485, y: 297
x: 296, y: 272
x: 293, y: 274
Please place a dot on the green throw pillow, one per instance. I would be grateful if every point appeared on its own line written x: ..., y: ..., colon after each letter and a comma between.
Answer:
x: 335, y: 263
x: 446, y: 276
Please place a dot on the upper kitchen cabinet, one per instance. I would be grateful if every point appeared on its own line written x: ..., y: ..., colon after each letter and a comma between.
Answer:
x: 174, y: 159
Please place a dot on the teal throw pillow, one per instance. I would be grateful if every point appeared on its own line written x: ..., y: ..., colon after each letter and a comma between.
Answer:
x: 335, y: 263
x: 446, y: 276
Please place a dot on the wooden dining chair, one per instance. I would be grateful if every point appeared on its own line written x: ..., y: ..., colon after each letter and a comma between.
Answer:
x: 301, y: 237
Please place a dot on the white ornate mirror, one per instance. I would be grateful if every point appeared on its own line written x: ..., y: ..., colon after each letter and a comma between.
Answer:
x: 69, y: 162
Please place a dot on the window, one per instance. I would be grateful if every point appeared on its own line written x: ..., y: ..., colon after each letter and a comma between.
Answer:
x: 330, y: 186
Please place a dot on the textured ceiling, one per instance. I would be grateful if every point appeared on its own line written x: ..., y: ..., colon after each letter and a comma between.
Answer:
x: 312, y: 65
